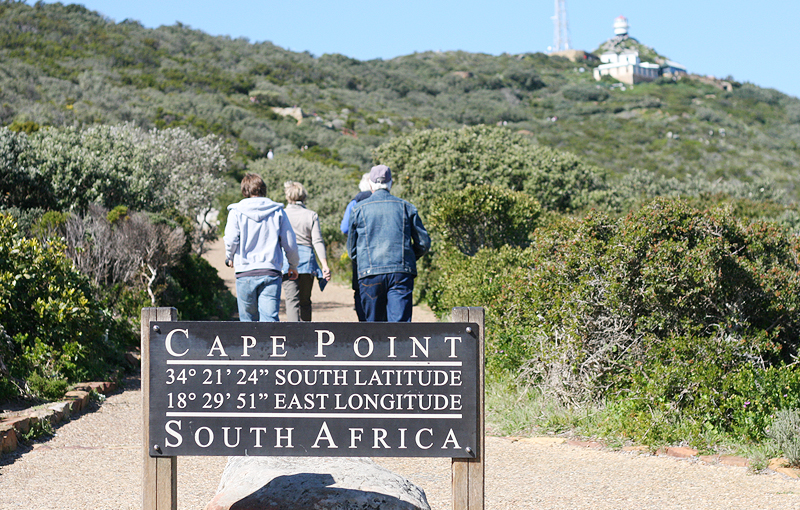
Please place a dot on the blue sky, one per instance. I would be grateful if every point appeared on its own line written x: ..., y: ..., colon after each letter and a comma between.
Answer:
x: 755, y: 42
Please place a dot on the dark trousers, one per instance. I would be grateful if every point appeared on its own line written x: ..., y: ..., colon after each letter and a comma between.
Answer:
x: 297, y: 294
x: 357, y: 295
x: 387, y: 297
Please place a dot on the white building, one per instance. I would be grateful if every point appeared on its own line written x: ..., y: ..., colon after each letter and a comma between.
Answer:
x: 672, y: 68
x: 626, y: 65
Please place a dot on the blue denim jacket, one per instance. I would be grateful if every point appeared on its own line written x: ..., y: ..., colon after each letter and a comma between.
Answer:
x: 386, y: 235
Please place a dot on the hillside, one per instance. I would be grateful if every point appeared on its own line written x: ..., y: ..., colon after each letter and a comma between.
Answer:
x: 66, y: 65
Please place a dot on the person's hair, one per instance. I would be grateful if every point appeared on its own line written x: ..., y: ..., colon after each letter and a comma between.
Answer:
x: 295, y: 192
x: 380, y: 185
x: 364, y: 184
x: 253, y: 186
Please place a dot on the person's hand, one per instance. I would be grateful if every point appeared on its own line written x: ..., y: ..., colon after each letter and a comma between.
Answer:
x: 292, y: 274
x: 229, y: 263
x: 326, y: 273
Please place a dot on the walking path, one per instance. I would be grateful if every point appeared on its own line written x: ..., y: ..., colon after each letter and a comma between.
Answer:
x: 95, y: 462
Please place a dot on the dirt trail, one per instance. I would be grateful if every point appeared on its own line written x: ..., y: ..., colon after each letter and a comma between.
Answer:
x: 95, y: 461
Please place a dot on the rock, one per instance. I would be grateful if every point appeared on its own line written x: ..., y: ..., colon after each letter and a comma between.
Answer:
x: 78, y: 398
x: 781, y: 465
x: 8, y: 438
x: 681, y: 452
x: 287, y: 483
x: 294, y: 112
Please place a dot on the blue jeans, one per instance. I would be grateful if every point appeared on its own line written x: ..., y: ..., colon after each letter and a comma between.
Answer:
x: 259, y: 298
x: 387, y: 297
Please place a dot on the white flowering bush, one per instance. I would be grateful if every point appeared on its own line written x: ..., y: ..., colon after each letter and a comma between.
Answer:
x: 192, y: 169
x: 120, y: 165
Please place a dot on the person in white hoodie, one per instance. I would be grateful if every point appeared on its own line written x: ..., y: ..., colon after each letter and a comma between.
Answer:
x: 257, y: 234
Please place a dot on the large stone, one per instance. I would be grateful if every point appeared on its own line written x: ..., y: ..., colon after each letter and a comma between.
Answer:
x: 288, y: 483
x: 8, y: 438
x: 294, y: 112
x: 78, y: 398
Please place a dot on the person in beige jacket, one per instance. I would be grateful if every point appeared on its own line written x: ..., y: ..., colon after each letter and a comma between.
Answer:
x: 305, y: 223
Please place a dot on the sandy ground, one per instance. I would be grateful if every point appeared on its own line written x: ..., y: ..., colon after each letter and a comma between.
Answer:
x: 95, y: 462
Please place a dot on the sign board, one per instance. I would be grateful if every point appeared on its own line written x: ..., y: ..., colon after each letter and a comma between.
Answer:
x: 314, y: 389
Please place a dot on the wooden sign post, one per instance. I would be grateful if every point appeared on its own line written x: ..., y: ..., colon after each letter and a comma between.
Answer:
x: 160, y: 476
x: 468, y: 474
x: 312, y: 389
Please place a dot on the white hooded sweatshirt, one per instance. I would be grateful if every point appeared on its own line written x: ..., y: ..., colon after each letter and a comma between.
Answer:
x: 256, y: 231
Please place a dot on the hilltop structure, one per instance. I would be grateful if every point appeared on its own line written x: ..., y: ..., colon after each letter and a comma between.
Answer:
x: 561, y: 35
x: 621, y: 59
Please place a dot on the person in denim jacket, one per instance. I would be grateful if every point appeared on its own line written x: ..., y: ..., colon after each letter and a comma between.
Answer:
x: 385, y: 238
x: 257, y: 235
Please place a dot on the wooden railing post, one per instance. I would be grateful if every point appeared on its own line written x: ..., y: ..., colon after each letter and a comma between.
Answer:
x: 468, y: 474
x: 160, y: 474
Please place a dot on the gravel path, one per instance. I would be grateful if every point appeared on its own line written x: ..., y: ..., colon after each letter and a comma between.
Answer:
x: 95, y: 462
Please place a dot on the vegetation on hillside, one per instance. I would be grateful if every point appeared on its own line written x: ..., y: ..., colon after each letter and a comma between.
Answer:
x: 65, y: 65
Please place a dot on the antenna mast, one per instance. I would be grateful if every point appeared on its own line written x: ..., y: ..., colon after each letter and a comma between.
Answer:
x: 561, y: 37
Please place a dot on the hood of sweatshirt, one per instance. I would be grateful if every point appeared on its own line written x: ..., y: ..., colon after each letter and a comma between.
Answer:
x: 256, y: 208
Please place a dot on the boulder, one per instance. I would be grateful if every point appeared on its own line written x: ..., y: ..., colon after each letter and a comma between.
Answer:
x: 288, y: 483
x: 294, y: 112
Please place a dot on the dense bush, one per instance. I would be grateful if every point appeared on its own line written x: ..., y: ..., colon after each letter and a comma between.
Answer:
x: 484, y: 217
x: 69, y: 169
x: 125, y: 208
x: 677, y: 313
x: 127, y: 250
x: 785, y: 431
x: 57, y: 328
x: 429, y: 162
x: 585, y: 92
x: 196, y: 290
x: 19, y: 186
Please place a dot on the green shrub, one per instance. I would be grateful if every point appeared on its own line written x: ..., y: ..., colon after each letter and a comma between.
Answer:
x: 488, y: 279
x: 758, y: 95
x: 117, y: 213
x: 20, y: 183
x: 50, y: 224
x: 585, y: 92
x: 57, y: 328
x: 484, y: 217
x: 685, y: 316
x: 785, y: 431
x: 197, y: 291
x: 47, y: 388
x: 428, y: 163
x: 26, y: 127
